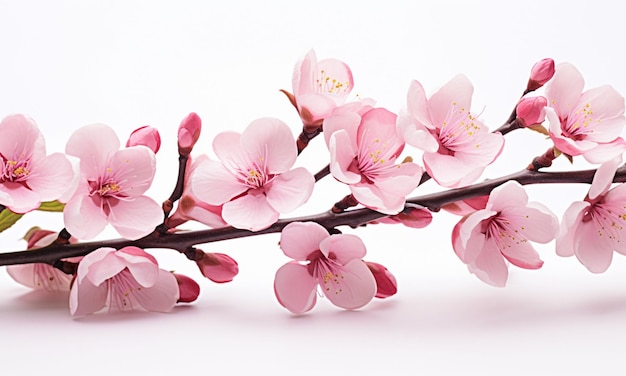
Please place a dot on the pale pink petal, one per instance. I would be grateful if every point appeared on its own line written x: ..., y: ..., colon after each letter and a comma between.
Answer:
x: 20, y: 136
x: 136, y: 218
x: 206, y: 214
x: 142, y: 265
x: 481, y: 149
x: 563, y: 91
x: 92, y: 259
x: 339, y: 74
x: 471, y: 223
x: 290, y: 190
x: 378, y: 132
x: 303, y: 73
x: 606, y: 104
x: 299, y: 239
x: 416, y: 134
x: 23, y: 274
x: 51, y: 177
x: 417, y: 107
x: 505, y: 195
x: 85, y: 298
x: 269, y: 142
x: 356, y: 289
x: 250, y: 212
x: 593, y: 251
x: 228, y: 149
x: 374, y: 198
x: 343, y: 248
x: 490, y: 267
x: 604, y: 152
x: 534, y: 222
x: 161, y: 296
x: 523, y: 255
x: 105, y: 267
x: 457, y: 92
x: 22, y: 200
x: 75, y: 212
x: 214, y: 184
x: 400, y: 180
x: 467, y: 249
x: 342, y: 158
x: 346, y: 121
x: 39, y: 276
x: 603, y: 178
x: 605, y: 130
x: 93, y: 144
x: 295, y: 288
x: 315, y: 107
x: 133, y: 168
x: 446, y: 170
x: 572, y: 218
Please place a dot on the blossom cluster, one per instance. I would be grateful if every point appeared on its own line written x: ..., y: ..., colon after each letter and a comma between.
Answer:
x: 251, y: 180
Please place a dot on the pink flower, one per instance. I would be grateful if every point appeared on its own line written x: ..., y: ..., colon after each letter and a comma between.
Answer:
x: 189, y: 133
x: 485, y: 239
x: 126, y: 279
x: 27, y: 176
x: 457, y: 146
x: 542, y: 72
x: 218, y: 267
x: 363, y: 153
x: 531, y: 111
x: 190, y: 207
x: 146, y: 136
x: 111, y: 186
x: 386, y: 284
x: 253, y: 181
x: 592, y: 229
x: 37, y: 275
x: 584, y: 123
x: 334, y: 262
x: 319, y: 87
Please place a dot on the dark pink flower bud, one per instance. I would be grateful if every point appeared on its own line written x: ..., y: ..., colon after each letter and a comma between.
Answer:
x: 386, y: 284
x: 146, y: 136
x: 188, y: 133
x: 541, y: 73
x: 218, y: 267
x: 188, y: 288
x: 531, y: 111
x: 34, y: 235
x: 410, y: 217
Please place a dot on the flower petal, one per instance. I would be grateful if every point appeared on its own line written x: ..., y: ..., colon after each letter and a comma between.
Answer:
x: 75, y: 212
x: 457, y: 92
x: 270, y: 142
x: 160, y: 296
x: 250, y: 212
x: 572, y: 218
x: 136, y: 218
x: 133, y: 168
x: 295, y: 288
x: 593, y: 251
x: 490, y: 267
x: 93, y: 144
x: 563, y: 91
x: 214, y: 184
x: 343, y: 248
x: 51, y: 177
x: 299, y: 239
x: 342, y: 157
x: 85, y: 298
x: 356, y: 289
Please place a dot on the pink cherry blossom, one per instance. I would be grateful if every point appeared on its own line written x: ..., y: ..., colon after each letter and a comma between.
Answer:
x: 363, y: 152
x: 584, y: 123
x: 147, y: 136
x: 319, y: 87
x: 190, y: 207
x: 122, y: 280
x: 27, y: 175
x: 253, y: 181
x: 111, y: 186
x: 333, y: 262
x: 593, y: 228
x: 457, y: 146
x: 37, y: 275
x: 485, y: 239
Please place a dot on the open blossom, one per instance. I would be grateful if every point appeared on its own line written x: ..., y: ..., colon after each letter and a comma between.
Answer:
x: 190, y: 207
x: 111, y: 186
x: 253, y: 181
x: 39, y: 275
x: 457, y: 146
x: 584, y: 123
x: 333, y: 262
x: 485, y: 239
x: 363, y: 152
x: 124, y: 279
x: 595, y: 227
x: 319, y: 87
x: 27, y: 175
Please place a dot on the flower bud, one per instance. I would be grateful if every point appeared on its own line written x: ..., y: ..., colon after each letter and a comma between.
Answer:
x: 146, y: 136
x: 188, y: 288
x: 531, y: 111
x: 386, y: 284
x: 413, y: 217
x: 188, y: 133
x: 218, y: 267
x: 541, y: 73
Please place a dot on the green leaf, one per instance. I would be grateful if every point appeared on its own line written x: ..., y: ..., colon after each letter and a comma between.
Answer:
x: 51, y: 206
x: 8, y: 219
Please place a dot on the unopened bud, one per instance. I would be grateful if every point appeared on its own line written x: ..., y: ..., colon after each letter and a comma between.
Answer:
x: 416, y: 217
x: 386, y: 284
x: 541, y: 73
x: 218, y: 267
x: 531, y: 111
x: 146, y: 136
x: 188, y: 133
x: 188, y: 288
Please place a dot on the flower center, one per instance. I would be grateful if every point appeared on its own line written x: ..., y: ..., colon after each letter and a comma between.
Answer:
x: 15, y: 171
x: 328, y: 272
x: 330, y: 85
x: 580, y: 122
x: 458, y: 127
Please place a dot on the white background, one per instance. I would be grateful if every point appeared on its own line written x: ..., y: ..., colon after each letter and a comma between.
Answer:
x: 127, y: 64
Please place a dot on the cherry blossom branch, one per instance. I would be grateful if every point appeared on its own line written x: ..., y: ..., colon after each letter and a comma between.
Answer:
x: 185, y: 241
